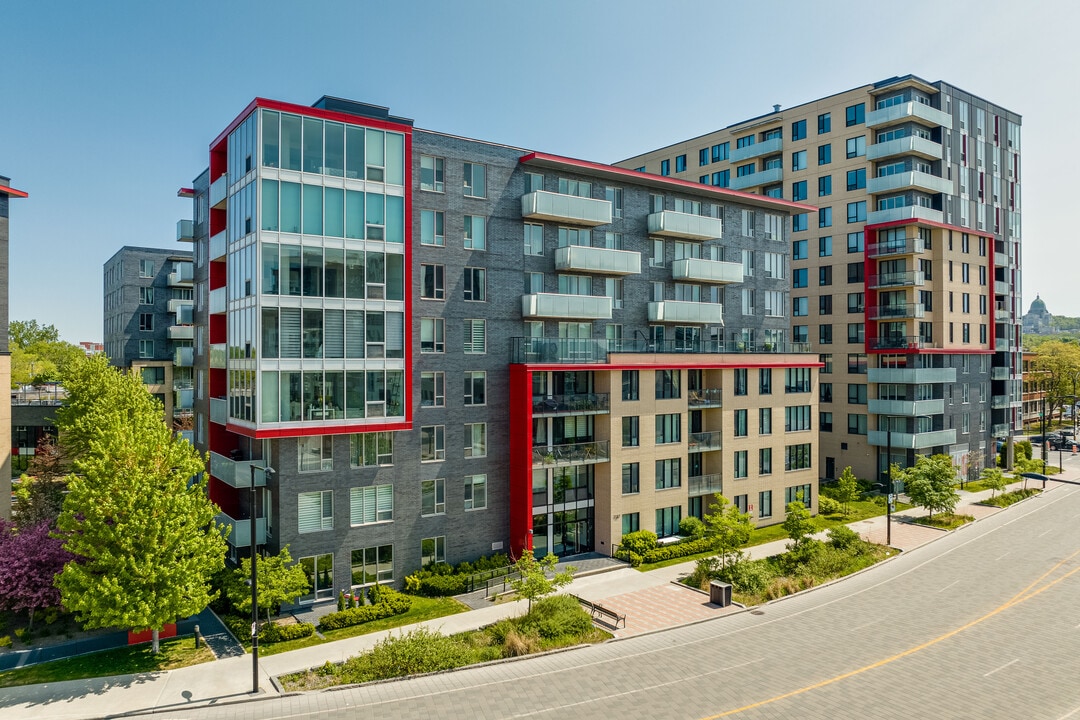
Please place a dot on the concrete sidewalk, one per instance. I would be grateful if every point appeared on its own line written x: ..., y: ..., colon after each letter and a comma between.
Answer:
x: 230, y: 679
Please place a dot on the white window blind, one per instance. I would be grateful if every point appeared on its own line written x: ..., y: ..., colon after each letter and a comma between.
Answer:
x: 315, y: 511
x: 290, y: 332
x: 475, y: 337
x: 395, y: 332
x: 371, y: 504
x: 354, y: 333
x: 333, y: 333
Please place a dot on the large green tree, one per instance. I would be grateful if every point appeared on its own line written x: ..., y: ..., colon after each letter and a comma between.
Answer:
x: 1056, y: 370
x: 24, y: 333
x: 727, y: 527
x: 929, y: 483
x: 142, y: 531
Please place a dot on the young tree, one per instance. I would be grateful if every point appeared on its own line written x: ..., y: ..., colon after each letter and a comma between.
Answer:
x: 144, y: 532
x: 799, y: 525
x: 994, y: 479
x: 847, y: 489
x: 39, y: 494
x: 929, y: 483
x: 727, y: 527
x: 30, y: 560
x: 279, y: 581
x: 533, y: 582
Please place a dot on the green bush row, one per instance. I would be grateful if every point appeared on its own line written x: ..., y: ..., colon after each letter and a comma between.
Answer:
x: 390, y: 603
x: 665, y: 552
x: 272, y: 632
x: 441, y: 579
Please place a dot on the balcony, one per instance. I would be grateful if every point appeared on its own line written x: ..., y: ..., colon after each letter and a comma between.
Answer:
x: 566, y: 350
x: 896, y: 312
x: 182, y: 275
x: 908, y: 180
x: 181, y: 332
x: 896, y: 247
x: 240, y: 530
x: 1003, y: 315
x: 679, y: 311
x: 218, y: 246
x: 685, y: 226
x: 703, y: 442
x: 759, y: 149
x: 896, y: 342
x: 1001, y: 345
x: 236, y: 473
x: 917, y: 111
x: 1000, y: 373
x: 912, y: 441
x: 1001, y: 430
x: 585, y: 453
x: 598, y: 260
x: 176, y: 305
x: 704, y: 485
x: 219, y: 411
x: 713, y: 272
x: 219, y: 191
x: 917, y: 376
x: 570, y: 307
x: 217, y: 356
x: 705, y: 398
x: 907, y: 408
x: 1000, y: 402
x: 217, y: 301
x: 761, y: 177
x: 185, y: 231
x: 183, y: 399
x: 188, y: 435
x: 1001, y: 287
x: 911, y: 145
x: 908, y: 212
x: 576, y: 404
x: 184, y: 357
x: 912, y: 278
x: 555, y: 207
x: 1001, y: 260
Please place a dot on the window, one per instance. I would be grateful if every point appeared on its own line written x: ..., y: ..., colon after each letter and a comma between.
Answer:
x: 855, y: 272
x: 680, y: 163
x: 796, y: 418
x: 629, y: 384
x: 432, y: 389
x: 431, y: 173
x: 373, y: 565
x: 315, y: 511
x: 371, y: 504
x: 765, y: 421
x: 668, y: 473
x: 855, y: 114
x: 475, y: 440
x: 798, y: 160
x: 667, y: 384
x: 740, y: 381
x: 703, y: 157
x: 534, y: 239
x: 315, y: 453
x: 475, y: 492
x: 798, y: 130
x: 773, y: 264
x: 856, y: 147
x: 433, y: 496
x: 475, y: 384
x: 799, y: 249
x: 665, y: 167
x: 740, y: 424
x: 765, y: 499
x: 856, y: 363
x: 631, y: 522
x: 475, y: 284
x: 800, y: 306
x: 856, y: 332
x: 721, y: 178
x: 475, y: 337
x: 146, y: 296
x: 827, y: 362
x: 146, y: 268
x: 630, y: 437
x: 146, y: 322
x: 797, y: 457
x: 577, y: 188
x: 798, y: 190
x: 824, y: 331
x: 720, y: 152
x: 824, y: 123
x: 475, y: 180
x: 613, y: 288
x: 667, y: 521
x: 431, y: 228
x: 432, y: 285
x: 825, y: 271
x: 630, y: 479
x: 150, y: 376
x: 797, y: 380
x: 668, y: 428
x: 774, y: 303
x: 824, y: 185
x: 824, y: 217
x: 856, y: 424
x: 615, y: 196
x: 740, y: 465
x: 371, y: 449
x: 534, y: 182
x: 824, y: 154
x: 433, y: 551
x: 432, y: 335
x: 740, y: 502
x: 799, y: 222
x: 856, y: 179
x: 744, y: 141
x: 744, y: 170
x: 799, y: 494
x: 765, y: 381
x: 856, y: 211
x: 855, y: 242
x: 432, y: 443
x: 799, y: 277
x: 475, y: 235
x: 825, y: 421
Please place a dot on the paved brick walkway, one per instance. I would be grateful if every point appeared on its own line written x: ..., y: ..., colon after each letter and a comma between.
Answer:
x: 661, y: 607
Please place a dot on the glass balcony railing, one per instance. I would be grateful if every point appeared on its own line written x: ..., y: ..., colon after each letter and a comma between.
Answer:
x: 705, y: 397
x: 703, y: 442
x: 570, y: 404
x: 572, y: 350
x: 572, y: 454
x: 705, y: 484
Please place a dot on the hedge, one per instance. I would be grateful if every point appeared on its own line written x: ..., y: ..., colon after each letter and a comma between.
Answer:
x: 272, y: 632
x: 390, y: 602
x: 667, y: 552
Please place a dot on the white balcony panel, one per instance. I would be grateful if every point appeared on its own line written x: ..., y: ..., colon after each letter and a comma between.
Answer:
x: 598, y: 260
x: 908, y: 212
x: 707, y: 271
x: 572, y: 307
x: 1000, y: 373
x: 1001, y: 260
x: 239, y: 534
x: 761, y: 177
x: 181, y: 332
x: 669, y: 223
x: 217, y: 301
x: 912, y: 441
x: 1001, y: 287
x: 175, y: 304
x: 917, y: 111
x: 183, y: 399
x: 184, y: 357
x: 219, y: 411
x: 903, y: 181
x: 219, y: 190
x: 689, y: 312
x: 236, y: 473
x: 185, y: 231
x: 218, y: 246
x: 911, y: 145
x: 759, y: 149
x: 217, y: 355
x: 188, y: 435
x: 182, y: 275
x: 1001, y: 345
x: 908, y: 408
x: 556, y: 207
x: 911, y: 375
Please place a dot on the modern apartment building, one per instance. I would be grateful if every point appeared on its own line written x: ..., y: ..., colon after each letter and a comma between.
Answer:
x: 907, y: 279
x: 446, y: 347
x: 6, y: 193
x: 149, y: 321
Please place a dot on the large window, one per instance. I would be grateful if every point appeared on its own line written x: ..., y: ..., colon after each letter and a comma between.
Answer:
x: 667, y: 521
x: 432, y: 443
x: 667, y: 384
x: 315, y: 453
x: 797, y: 457
x: 630, y: 478
x: 432, y: 389
x: 798, y: 493
x: 371, y: 504
x: 796, y: 417
x: 372, y: 565
x: 668, y: 473
x: 475, y: 440
x: 475, y: 180
x: 475, y: 387
x: 315, y: 511
x: 431, y: 173
x: 319, y: 572
x: 631, y: 522
x: 668, y: 428
x: 433, y: 496
x: 371, y: 449
x: 797, y: 380
x: 433, y: 550
x: 855, y: 114
x: 475, y: 492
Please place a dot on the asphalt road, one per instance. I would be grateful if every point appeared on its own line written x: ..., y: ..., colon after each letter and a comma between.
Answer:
x: 983, y: 623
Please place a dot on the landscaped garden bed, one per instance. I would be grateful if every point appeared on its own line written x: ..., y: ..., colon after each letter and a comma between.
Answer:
x: 1006, y: 499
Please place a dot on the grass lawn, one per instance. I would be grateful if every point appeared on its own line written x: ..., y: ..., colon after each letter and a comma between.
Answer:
x: 945, y: 521
x: 175, y: 653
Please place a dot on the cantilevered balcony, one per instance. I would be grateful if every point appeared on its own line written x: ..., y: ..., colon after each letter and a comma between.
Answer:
x: 574, y: 404
x: 697, y: 313
x: 908, y: 212
x: 754, y: 179
x: 759, y: 149
x: 584, y: 453
x: 182, y: 275
x: 217, y: 302
x: 185, y: 231
x: 180, y: 305
x: 218, y: 246
x: 184, y: 357
x: 183, y: 398
x: 703, y: 442
x: 913, y: 180
x: 916, y: 111
x: 713, y: 272
x: 907, y: 408
x: 896, y: 342
x: 219, y: 411
x: 181, y: 332
x: 598, y: 260
x: 236, y: 473
x: 896, y: 247
x: 911, y: 376
x: 570, y: 307
x: 240, y: 531
x: 705, y: 398
x: 219, y: 190
x: 1000, y: 373
x: 912, y: 441
x: 910, y: 145
x: 685, y: 226
x: 911, y: 278
x: 704, y: 484
x: 896, y: 312
x: 555, y: 207
x: 1001, y: 287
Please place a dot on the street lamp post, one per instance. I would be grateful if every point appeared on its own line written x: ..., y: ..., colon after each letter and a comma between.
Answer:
x: 267, y: 472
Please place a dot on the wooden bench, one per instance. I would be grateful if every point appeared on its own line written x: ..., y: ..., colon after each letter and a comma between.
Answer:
x: 596, y: 609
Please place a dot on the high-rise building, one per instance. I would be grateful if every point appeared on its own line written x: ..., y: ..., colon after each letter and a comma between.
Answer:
x: 6, y: 192
x: 907, y: 279
x: 447, y: 347
x: 148, y: 323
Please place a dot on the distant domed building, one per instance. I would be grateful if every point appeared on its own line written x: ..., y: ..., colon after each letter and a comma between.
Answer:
x: 1037, y: 320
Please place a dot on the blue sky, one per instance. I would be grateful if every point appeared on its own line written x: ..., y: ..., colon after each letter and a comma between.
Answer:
x: 107, y: 108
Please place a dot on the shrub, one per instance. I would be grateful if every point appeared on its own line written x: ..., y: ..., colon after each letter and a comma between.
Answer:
x: 5, y: 641
x: 273, y: 632
x: 748, y: 576
x: 411, y: 653
x: 22, y: 633
x: 844, y: 538
x: 387, y: 606
x: 691, y: 527
x: 827, y: 562
x: 704, y: 570
x: 828, y: 506
x: 556, y: 616
x: 667, y: 552
x: 639, y: 541
x: 516, y: 644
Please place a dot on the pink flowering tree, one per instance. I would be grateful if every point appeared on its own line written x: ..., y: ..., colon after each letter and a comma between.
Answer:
x: 30, y: 560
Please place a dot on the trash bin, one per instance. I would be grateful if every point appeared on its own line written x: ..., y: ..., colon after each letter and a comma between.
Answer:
x: 719, y: 593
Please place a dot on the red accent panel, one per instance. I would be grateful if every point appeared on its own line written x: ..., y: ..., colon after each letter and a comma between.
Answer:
x: 408, y: 279
x: 991, y: 308
x: 218, y: 274
x: 870, y: 234
x: 185, y: 192
x: 12, y: 192
x: 520, y: 396
x: 635, y: 176
x: 217, y: 329
x: 226, y: 497
x: 929, y: 223
x: 316, y: 429
x: 135, y: 638
x: 665, y: 363
x: 218, y: 382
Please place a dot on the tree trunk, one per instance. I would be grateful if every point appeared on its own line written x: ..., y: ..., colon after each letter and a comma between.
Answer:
x: 31, y: 625
x: 155, y: 645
